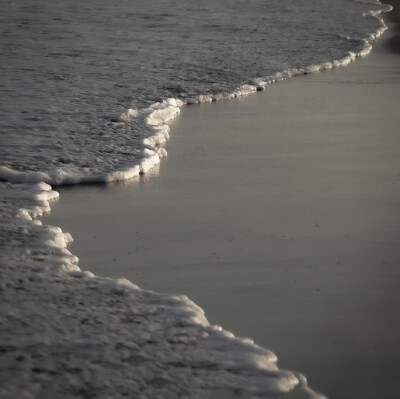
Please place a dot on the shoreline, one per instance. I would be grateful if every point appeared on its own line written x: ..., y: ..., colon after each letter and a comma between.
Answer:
x: 159, y: 116
x: 292, y: 207
x: 393, y: 43
x: 213, y: 256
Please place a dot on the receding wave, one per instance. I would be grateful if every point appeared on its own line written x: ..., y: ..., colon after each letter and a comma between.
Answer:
x: 156, y: 344
x: 66, y: 144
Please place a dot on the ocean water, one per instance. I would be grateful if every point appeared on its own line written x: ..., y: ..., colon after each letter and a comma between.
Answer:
x: 87, y: 90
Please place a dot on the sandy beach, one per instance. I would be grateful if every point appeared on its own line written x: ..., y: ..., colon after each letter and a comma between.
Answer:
x: 279, y: 215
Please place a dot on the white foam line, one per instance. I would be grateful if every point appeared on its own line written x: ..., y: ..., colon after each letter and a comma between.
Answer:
x: 158, y: 116
x: 181, y: 338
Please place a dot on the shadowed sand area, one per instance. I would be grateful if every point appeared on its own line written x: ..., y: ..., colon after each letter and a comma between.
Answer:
x: 279, y: 215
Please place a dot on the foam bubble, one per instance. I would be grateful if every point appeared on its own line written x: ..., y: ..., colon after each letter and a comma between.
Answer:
x: 122, y: 174
x: 162, y: 113
x: 129, y: 114
x: 14, y: 176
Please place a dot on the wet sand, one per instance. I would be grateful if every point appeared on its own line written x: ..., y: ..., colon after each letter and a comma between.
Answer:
x: 279, y: 215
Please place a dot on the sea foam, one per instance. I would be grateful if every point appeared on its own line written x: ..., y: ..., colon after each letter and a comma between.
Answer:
x: 73, y: 332
x: 108, y: 337
x: 122, y: 155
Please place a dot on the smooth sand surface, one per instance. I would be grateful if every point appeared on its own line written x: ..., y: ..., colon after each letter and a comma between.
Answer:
x: 279, y: 215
